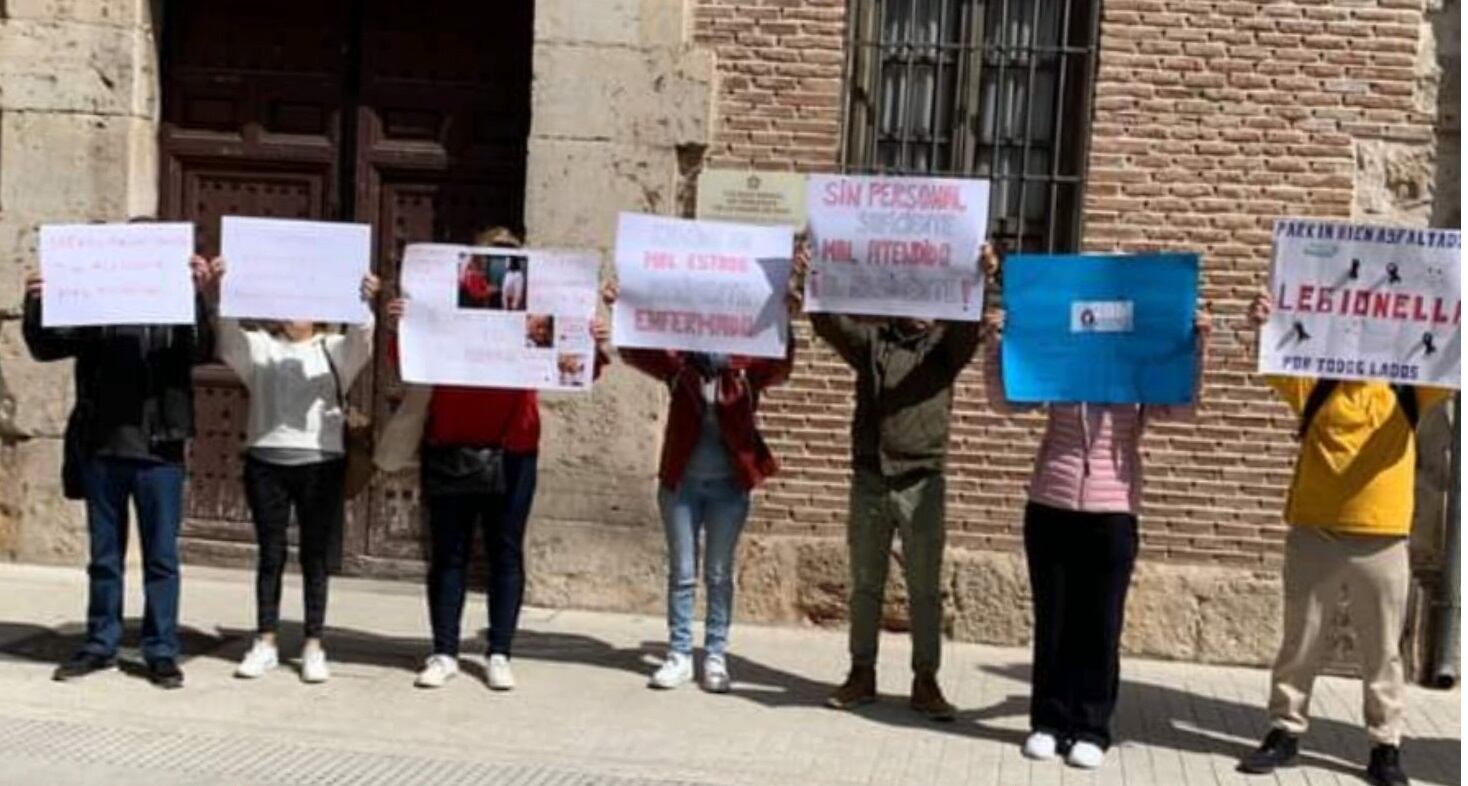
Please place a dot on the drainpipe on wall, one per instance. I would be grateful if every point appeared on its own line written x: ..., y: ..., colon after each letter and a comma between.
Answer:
x: 1448, y: 606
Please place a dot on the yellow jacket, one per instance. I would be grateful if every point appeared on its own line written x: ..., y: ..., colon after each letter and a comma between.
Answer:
x: 1357, y: 464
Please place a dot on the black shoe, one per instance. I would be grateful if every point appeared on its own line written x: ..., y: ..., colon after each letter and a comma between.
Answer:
x: 1279, y: 749
x: 1386, y: 767
x: 81, y: 665
x: 165, y: 673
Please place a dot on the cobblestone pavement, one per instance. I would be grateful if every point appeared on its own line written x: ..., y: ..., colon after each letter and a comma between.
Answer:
x: 583, y: 716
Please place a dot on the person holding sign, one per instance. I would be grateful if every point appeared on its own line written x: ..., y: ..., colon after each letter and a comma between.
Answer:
x: 1080, y: 531
x: 125, y: 443
x: 1350, y: 514
x: 478, y: 469
x: 713, y: 458
x: 297, y: 375
x: 905, y: 370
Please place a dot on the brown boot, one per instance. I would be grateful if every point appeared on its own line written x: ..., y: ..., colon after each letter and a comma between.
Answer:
x: 927, y: 698
x: 860, y: 688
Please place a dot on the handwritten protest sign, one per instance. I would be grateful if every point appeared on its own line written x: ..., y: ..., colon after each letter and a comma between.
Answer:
x: 772, y: 198
x: 1356, y: 301
x: 116, y: 274
x: 896, y: 246
x: 496, y: 317
x: 1100, y: 329
x: 294, y: 270
x: 702, y: 286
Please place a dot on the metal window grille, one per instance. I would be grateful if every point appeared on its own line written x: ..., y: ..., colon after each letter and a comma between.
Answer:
x: 997, y: 89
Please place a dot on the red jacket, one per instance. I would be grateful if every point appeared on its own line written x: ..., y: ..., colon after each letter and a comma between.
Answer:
x: 740, y: 386
x: 498, y: 417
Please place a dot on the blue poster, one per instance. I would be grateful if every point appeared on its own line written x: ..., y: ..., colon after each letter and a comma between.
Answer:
x: 1101, y: 329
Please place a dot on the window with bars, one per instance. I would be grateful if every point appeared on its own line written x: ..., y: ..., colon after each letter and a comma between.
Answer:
x: 996, y: 89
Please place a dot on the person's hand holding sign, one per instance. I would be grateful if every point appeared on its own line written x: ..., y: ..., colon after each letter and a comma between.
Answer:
x: 202, y: 272
x: 371, y: 285
x: 799, y: 268
x: 1261, y: 308
x: 1203, y: 321
x: 989, y: 262
x: 396, y: 308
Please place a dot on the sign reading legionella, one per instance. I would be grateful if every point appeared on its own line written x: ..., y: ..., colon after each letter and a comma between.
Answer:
x: 1354, y: 301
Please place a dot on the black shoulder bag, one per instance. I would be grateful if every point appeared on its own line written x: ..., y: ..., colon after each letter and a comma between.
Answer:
x: 462, y: 469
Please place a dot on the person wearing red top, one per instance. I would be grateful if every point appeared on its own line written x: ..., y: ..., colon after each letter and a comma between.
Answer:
x: 475, y: 288
x: 713, y: 457
x: 479, y: 458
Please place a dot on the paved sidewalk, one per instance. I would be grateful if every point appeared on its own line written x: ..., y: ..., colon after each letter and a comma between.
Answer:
x: 583, y: 716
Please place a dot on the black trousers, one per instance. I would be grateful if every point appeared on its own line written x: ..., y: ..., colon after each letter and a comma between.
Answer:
x: 452, y: 520
x: 1080, y: 569
x: 315, y: 492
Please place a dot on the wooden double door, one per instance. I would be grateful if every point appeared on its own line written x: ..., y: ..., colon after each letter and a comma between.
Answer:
x: 412, y: 117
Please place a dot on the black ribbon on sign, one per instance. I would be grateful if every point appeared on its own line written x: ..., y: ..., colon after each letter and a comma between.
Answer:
x: 1428, y: 342
x: 1300, y: 333
x: 1088, y: 318
x: 1355, y: 268
x: 1392, y: 276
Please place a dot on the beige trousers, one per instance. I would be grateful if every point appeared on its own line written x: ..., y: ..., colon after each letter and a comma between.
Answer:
x: 1376, y: 572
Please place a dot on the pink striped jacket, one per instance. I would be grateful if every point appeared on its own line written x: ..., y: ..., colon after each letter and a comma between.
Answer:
x: 1090, y: 457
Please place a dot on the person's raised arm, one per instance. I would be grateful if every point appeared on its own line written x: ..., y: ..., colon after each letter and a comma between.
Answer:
x: 1294, y: 390
x: 352, y: 350
x: 231, y: 342
x: 960, y: 340
x: 205, y: 283
x: 660, y: 364
x: 1202, y: 330
x: 48, y: 344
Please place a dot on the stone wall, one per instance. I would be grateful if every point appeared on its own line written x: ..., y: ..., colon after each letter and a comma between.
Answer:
x: 78, y: 105
x: 622, y: 107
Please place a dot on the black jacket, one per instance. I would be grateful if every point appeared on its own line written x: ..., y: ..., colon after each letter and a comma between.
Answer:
x: 129, y: 378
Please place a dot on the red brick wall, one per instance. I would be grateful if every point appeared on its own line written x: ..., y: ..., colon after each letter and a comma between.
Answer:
x: 1211, y: 118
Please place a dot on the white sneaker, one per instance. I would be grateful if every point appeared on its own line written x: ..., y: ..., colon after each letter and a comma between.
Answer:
x: 1040, y: 746
x: 716, y: 674
x: 500, y: 675
x: 437, y: 670
x: 313, y: 666
x: 261, y: 658
x: 1085, y: 755
x: 675, y: 671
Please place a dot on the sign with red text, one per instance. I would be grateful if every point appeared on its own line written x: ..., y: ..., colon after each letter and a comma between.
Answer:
x: 498, y: 317
x: 896, y: 246
x: 116, y: 274
x: 702, y: 286
x: 294, y: 270
x: 1355, y: 301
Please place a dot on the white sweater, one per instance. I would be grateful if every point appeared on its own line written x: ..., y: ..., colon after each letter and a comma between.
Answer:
x: 293, y: 398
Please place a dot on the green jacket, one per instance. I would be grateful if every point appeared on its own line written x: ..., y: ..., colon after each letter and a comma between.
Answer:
x: 904, y: 388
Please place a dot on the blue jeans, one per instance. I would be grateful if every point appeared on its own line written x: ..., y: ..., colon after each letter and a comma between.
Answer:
x: 718, y: 507
x: 156, y: 488
x: 452, y: 520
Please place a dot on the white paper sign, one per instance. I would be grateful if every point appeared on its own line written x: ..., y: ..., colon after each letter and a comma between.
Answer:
x: 702, y: 286
x: 896, y: 246
x: 497, y: 317
x: 117, y: 274
x: 1353, y: 301
x: 294, y: 270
